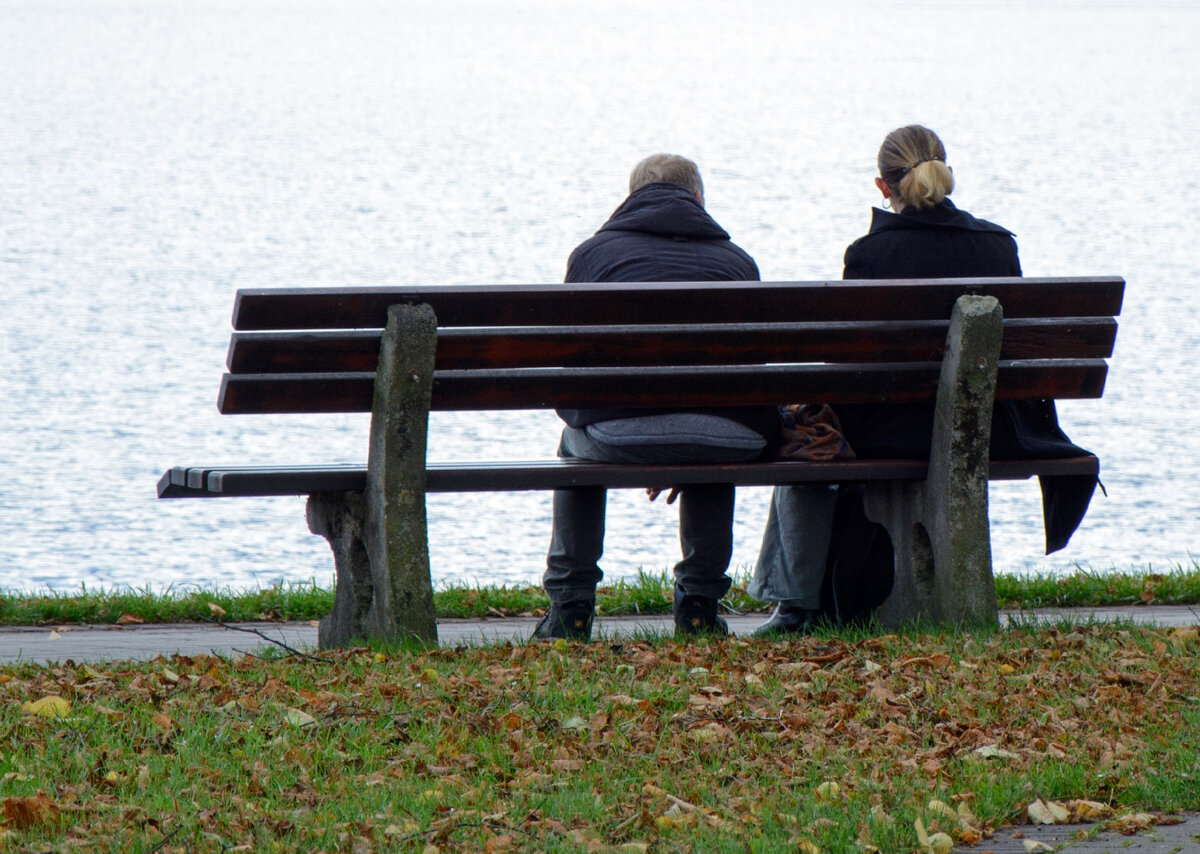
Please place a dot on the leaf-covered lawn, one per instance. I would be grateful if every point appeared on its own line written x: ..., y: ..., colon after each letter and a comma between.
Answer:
x: 893, y: 744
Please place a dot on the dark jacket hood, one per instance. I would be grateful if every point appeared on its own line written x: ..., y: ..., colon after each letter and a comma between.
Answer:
x: 667, y: 209
x: 944, y: 215
x: 660, y: 233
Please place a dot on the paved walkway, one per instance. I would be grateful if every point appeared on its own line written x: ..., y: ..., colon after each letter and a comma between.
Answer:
x: 43, y: 644
x: 1182, y: 838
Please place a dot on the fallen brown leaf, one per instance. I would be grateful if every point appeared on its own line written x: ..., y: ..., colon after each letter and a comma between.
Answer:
x: 1131, y: 823
x: 1048, y: 812
x: 1089, y: 810
x: 23, y: 813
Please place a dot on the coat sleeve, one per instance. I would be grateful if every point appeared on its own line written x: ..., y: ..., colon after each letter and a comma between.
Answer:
x: 1016, y: 258
x: 855, y: 264
x: 577, y: 269
x: 752, y: 274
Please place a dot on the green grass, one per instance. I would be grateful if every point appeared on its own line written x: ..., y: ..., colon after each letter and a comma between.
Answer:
x: 648, y: 593
x: 281, y: 602
x: 644, y: 745
x: 1091, y: 588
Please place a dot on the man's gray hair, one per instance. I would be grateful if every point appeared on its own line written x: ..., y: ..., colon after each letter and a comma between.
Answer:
x: 667, y: 167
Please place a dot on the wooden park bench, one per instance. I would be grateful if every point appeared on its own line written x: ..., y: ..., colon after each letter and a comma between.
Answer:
x: 399, y: 352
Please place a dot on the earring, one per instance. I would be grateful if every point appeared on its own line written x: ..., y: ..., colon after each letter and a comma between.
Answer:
x: 887, y: 202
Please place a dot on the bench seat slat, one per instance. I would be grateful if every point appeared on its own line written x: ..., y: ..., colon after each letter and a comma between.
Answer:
x: 234, y: 481
x: 712, y: 344
x: 737, y: 385
x: 673, y: 302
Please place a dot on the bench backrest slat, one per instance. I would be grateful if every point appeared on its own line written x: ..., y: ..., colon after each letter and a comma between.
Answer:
x: 666, y: 344
x: 722, y: 385
x: 672, y: 302
x: 711, y: 344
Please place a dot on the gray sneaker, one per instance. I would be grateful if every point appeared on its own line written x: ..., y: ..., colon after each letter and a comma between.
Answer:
x: 788, y: 620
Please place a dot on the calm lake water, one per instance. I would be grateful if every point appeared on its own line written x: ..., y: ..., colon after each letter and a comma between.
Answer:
x: 157, y: 156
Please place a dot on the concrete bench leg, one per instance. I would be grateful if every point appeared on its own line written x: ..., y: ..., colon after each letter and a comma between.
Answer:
x: 339, y: 517
x: 380, y: 540
x: 939, y: 528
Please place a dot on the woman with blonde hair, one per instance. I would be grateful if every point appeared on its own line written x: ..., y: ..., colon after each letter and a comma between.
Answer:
x: 925, y: 236
x: 821, y: 557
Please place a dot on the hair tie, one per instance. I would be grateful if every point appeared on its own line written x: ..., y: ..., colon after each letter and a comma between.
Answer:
x: 919, y: 162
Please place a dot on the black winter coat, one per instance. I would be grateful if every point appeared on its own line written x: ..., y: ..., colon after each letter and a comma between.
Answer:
x: 944, y: 242
x: 660, y: 233
x: 941, y: 242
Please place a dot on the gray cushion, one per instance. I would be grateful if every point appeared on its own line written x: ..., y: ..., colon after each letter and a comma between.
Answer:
x: 677, y: 428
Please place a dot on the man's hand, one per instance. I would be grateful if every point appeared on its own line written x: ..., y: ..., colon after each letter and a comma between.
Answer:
x: 653, y: 493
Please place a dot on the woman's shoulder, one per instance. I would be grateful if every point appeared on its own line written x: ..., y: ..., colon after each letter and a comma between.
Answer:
x: 929, y: 245
x: 945, y: 215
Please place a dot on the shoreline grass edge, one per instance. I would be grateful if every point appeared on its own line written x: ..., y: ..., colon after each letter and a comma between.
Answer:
x: 648, y: 593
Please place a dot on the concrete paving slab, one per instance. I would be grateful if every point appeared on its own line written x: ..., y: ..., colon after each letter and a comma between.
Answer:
x: 81, y: 643
x: 45, y: 644
x: 1177, y: 838
x: 1161, y: 615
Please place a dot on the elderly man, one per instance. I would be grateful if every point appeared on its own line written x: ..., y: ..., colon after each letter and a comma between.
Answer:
x: 660, y: 233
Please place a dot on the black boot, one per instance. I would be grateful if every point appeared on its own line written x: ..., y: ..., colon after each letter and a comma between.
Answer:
x: 697, y: 615
x: 787, y: 619
x: 568, y: 621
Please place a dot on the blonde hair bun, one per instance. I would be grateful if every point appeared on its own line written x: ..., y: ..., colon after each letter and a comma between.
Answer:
x: 912, y: 161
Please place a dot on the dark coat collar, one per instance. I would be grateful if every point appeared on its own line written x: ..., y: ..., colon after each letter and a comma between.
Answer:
x: 942, y: 215
x: 665, y: 208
